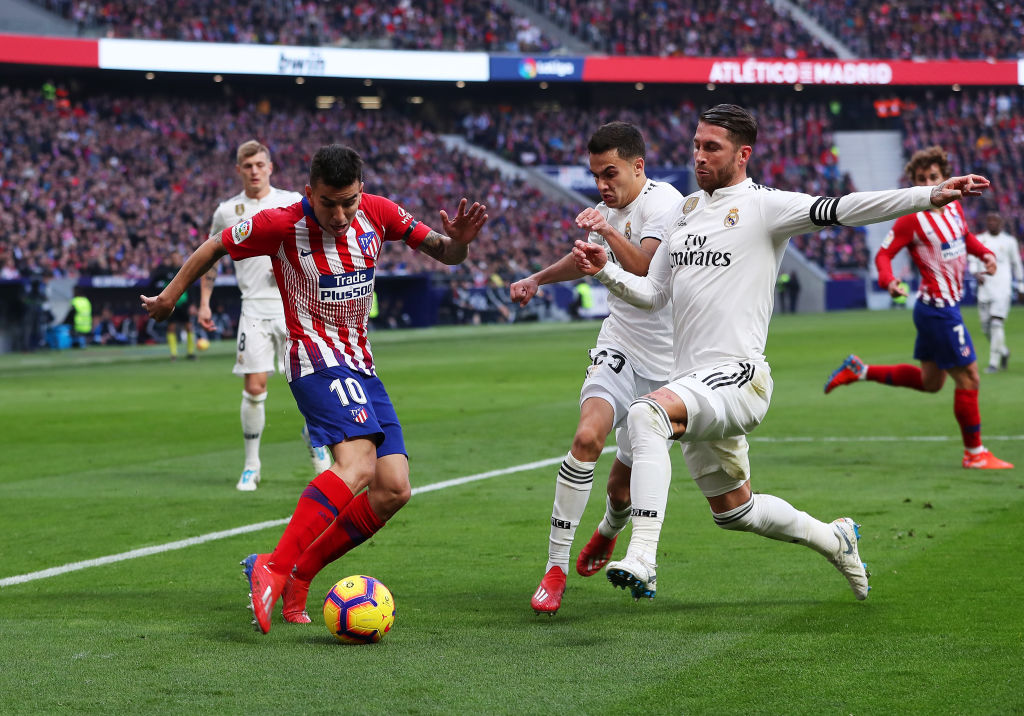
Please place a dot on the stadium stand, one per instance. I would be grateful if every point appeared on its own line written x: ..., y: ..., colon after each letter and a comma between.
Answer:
x: 913, y: 29
x: 705, y: 28
x: 402, y: 24
x: 795, y: 152
x: 110, y: 184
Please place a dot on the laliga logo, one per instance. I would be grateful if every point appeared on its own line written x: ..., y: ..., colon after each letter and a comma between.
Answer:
x: 530, y: 68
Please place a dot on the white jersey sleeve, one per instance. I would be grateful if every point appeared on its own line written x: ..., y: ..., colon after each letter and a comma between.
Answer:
x: 790, y: 213
x: 650, y: 293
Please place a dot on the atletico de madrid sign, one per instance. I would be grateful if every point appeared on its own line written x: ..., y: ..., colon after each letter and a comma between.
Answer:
x: 229, y: 58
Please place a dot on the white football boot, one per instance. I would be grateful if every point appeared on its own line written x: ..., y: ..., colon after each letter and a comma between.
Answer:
x: 634, y: 572
x: 847, y: 556
x: 249, y: 480
x: 321, y: 456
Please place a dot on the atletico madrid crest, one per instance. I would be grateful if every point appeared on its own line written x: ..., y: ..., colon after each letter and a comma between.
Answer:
x: 369, y: 244
x: 360, y: 415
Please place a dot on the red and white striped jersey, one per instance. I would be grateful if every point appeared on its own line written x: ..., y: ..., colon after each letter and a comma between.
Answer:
x: 939, y: 242
x: 326, y: 282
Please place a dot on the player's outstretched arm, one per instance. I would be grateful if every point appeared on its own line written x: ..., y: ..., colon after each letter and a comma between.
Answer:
x: 461, y: 230
x: 562, y: 270
x: 160, y: 307
x: 958, y: 188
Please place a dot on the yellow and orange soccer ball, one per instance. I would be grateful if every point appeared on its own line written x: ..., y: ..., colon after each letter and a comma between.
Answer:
x: 359, y: 610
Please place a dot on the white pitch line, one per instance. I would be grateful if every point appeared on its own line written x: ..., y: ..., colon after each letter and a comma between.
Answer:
x: 879, y: 439
x: 223, y: 534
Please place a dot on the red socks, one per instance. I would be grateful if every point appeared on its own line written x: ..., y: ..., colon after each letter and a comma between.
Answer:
x: 902, y: 375
x: 965, y: 408
x: 356, y: 524
x: 321, y: 502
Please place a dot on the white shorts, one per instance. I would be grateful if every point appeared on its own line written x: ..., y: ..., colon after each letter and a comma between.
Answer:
x: 611, y: 377
x: 260, y: 345
x: 996, y: 308
x: 722, y: 405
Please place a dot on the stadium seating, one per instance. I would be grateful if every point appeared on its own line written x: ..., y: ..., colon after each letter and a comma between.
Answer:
x: 975, y: 29
x: 749, y: 28
x: 111, y: 184
x: 416, y: 25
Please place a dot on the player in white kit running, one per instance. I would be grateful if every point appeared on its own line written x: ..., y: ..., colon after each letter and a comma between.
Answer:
x: 719, y: 267
x: 995, y: 293
x: 262, y: 332
x: 631, y: 358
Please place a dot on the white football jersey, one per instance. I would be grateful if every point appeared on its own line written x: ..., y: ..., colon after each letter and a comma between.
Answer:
x: 1009, y: 271
x: 260, y: 296
x: 720, y: 261
x: 644, y: 336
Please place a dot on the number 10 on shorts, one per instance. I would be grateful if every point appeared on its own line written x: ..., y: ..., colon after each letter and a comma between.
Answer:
x: 348, y: 391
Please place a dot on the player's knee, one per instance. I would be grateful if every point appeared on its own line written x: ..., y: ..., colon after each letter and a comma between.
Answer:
x: 739, y: 519
x: 587, y: 444
x: 388, y: 496
x: 254, y: 397
x: 646, y: 418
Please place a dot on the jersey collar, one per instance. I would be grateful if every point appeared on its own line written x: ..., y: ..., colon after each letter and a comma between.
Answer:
x: 308, y: 211
x: 729, y: 191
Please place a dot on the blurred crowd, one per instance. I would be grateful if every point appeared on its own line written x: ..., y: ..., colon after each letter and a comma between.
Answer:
x: 103, y: 184
x: 895, y: 29
x: 107, y: 184
x: 912, y: 29
x: 685, y: 28
x: 795, y: 151
x: 397, y: 24
x: 982, y: 130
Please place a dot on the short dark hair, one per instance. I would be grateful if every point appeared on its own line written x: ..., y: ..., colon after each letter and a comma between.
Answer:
x: 335, y: 165
x: 623, y: 137
x: 738, y: 123
x: 924, y: 158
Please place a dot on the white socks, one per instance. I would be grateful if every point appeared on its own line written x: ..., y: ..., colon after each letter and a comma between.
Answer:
x: 774, y: 518
x: 997, y: 349
x: 614, y: 521
x: 572, y: 490
x: 649, y: 430
x: 253, y: 419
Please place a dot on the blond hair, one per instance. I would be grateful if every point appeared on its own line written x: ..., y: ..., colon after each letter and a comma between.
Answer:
x: 248, y: 149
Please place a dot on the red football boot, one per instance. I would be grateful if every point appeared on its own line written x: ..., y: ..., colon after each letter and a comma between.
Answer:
x: 849, y: 372
x: 548, y: 597
x: 595, y: 554
x: 265, y: 587
x: 985, y: 461
x: 295, y: 593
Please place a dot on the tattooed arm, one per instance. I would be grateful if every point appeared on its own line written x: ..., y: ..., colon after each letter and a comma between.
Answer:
x: 461, y: 230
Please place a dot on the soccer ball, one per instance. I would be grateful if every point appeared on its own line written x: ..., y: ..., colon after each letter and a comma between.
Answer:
x: 359, y: 610
x: 202, y: 343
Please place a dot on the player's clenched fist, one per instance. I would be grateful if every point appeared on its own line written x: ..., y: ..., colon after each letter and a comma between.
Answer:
x: 157, y: 309
x: 590, y: 258
x: 522, y: 291
x: 590, y: 219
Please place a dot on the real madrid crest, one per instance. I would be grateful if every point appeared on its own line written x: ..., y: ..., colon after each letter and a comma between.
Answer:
x: 239, y: 209
x: 628, y: 232
x: 690, y: 205
x: 732, y: 218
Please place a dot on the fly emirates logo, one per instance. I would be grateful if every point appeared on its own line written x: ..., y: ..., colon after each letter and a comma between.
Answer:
x: 696, y: 253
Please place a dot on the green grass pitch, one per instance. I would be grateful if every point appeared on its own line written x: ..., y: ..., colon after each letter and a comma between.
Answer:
x: 107, y: 451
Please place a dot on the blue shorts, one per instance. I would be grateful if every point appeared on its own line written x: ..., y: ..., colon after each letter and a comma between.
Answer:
x: 942, y: 336
x: 339, y: 404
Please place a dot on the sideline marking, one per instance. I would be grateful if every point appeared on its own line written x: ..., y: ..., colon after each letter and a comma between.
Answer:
x: 245, y: 529
x: 223, y: 534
